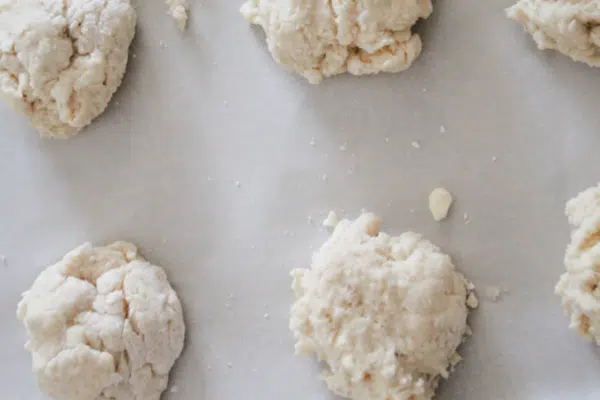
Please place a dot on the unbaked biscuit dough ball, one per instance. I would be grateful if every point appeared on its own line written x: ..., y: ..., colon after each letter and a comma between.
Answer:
x: 103, y: 323
x: 62, y: 60
x: 571, y: 27
x: 325, y: 38
x: 579, y: 287
x: 385, y: 314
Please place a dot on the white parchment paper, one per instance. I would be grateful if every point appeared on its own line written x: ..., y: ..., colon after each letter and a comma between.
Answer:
x: 209, y: 109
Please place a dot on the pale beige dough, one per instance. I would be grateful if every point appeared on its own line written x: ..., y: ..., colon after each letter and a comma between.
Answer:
x: 579, y: 286
x: 440, y: 200
x: 326, y: 38
x: 384, y: 314
x: 571, y: 27
x: 62, y: 60
x: 102, y: 324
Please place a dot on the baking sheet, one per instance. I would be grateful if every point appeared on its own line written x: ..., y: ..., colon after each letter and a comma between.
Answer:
x: 201, y: 111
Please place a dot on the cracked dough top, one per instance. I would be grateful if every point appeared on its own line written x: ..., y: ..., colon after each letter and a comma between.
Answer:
x: 62, y: 60
x: 102, y: 324
x: 326, y: 38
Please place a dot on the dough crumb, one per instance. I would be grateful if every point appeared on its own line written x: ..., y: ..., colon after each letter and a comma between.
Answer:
x: 440, y: 201
x: 331, y: 220
x: 416, y: 145
x: 442, y: 129
x: 472, y: 301
x: 178, y: 9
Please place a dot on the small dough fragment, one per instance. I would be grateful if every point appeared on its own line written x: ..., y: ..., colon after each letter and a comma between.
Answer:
x: 322, y: 39
x: 103, y: 324
x: 579, y: 286
x: 472, y: 300
x: 385, y: 314
x: 62, y: 60
x: 571, y: 27
x: 178, y: 9
x: 331, y: 221
x: 440, y: 200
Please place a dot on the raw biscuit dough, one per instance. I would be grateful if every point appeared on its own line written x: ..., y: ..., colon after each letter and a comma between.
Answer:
x: 326, y: 38
x: 579, y: 286
x: 103, y: 324
x: 571, y: 27
x: 62, y: 60
x: 385, y: 314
